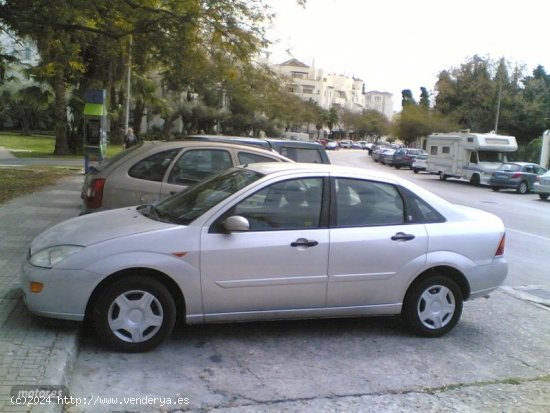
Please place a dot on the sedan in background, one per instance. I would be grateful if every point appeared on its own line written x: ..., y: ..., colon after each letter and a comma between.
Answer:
x: 542, y: 186
x: 386, y: 157
x: 420, y: 163
x: 404, y: 157
x: 154, y: 170
x: 520, y: 176
x: 268, y: 241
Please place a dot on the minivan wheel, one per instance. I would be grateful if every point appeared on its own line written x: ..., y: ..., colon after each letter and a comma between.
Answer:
x: 134, y: 314
x: 522, y: 188
x: 433, y: 306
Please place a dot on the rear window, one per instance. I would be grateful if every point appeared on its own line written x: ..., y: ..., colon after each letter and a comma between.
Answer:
x: 301, y: 154
x: 509, y: 167
x: 110, y: 161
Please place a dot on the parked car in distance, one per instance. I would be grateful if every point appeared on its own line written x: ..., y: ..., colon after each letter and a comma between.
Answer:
x: 520, y: 176
x: 344, y: 143
x: 264, y: 241
x: 420, y: 163
x: 332, y: 146
x: 386, y: 157
x: 154, y: 170
x: 377, y: 152
x: 297, y: 150
x: 404, y: 157
x: 542, y: 185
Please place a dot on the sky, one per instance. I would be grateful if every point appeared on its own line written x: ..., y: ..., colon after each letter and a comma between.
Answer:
x: 404, y: 44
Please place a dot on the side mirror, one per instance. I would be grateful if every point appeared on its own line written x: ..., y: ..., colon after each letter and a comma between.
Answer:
x: 236, y: 223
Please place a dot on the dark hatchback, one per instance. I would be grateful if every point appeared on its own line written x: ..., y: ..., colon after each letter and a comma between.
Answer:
x: 520, y: 176
x: 298, y: 151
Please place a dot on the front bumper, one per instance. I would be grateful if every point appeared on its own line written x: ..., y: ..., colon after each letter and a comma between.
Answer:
x: 65, y: 293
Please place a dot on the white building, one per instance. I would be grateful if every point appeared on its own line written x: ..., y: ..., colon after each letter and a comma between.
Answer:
x: 328, y: 89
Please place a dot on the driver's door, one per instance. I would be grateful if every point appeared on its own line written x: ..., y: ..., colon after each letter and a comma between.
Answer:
x: 280, y: 264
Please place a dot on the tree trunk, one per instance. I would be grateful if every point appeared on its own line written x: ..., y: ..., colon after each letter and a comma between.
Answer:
x: 60, y: 114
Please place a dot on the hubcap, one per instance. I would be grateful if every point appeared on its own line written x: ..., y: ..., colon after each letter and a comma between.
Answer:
x: 436, y: 307
x: 135, y: 316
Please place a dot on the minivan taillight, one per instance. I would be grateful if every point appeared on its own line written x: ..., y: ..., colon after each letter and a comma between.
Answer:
x: 500, y: 249
x: 94, y: 193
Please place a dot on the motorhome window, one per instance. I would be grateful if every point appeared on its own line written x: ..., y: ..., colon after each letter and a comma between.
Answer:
x: 491, y: 156
x: 470, y: 140
x: 433, y: 150
x: 446, y: 149
x: 474, y: 158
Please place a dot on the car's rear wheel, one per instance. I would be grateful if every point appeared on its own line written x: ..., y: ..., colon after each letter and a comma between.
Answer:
x: 544, y: 197
x: 522, y: 188
x: 475, y: 180
x: 495, y: 188
x: 415, y: 170
x: 442, y: 176
x: 433, y: 306
x: 134, y: 314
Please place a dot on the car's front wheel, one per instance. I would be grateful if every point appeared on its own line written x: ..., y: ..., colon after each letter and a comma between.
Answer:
x: 433, y: 306
x: 544, y: 197
x: 134, y: 314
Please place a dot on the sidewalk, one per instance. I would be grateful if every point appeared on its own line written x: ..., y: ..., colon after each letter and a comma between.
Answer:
x: 33, y: 351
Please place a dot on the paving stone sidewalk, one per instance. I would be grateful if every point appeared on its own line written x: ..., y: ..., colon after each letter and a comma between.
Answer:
x: 33, y: 351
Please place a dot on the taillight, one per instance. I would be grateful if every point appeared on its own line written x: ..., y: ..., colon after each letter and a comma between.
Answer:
x: 516, y: 175
x: 94, y: 194
x: 500, y: 249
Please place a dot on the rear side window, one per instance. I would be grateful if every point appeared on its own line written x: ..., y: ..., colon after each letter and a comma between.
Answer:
x: 248, y: 157
x: 301, y: 154
x: 418, y: 211
x: 153, y: 167
x: 198, y: 164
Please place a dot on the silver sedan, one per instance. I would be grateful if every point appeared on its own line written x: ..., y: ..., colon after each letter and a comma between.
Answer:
x: 268, y: 241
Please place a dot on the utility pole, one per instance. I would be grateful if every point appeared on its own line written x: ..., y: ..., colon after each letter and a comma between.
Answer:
x: 127, y: 103
x: 498, y: 105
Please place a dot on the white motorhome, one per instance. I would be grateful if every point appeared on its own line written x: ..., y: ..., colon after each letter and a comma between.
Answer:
x: 471, y: 156
x: 296, y: 136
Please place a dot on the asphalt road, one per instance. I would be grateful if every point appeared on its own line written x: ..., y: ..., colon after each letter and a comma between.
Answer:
x: 495, y: 360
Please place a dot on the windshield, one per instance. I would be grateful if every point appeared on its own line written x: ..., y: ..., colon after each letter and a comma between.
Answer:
x: 191, y: 203
x: 491, y: 156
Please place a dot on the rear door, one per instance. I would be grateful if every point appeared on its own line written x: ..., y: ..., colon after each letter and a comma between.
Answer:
x: 373, y: 251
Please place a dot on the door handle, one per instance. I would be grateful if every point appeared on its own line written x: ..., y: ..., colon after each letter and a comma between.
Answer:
x: 401, y: 236
x: 303, y: 242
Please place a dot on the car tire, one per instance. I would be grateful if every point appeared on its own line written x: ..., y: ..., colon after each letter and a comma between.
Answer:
x: 522, y: 188
x: 147, y: 320
x: 415, y: 170
x: 433, y: 306
x: 397, y: 166
x: 544, y: 197
x: 495, y: 188
x: 475, y: 180
x: 442, y: 176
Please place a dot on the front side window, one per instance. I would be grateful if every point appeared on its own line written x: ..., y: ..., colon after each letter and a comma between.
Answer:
x: 284, y: 205
x: 367, y: 203
x: 198, y: 164
x: 153, y: 167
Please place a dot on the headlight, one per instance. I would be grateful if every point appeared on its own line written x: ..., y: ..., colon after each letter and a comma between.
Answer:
x: 50, y: 256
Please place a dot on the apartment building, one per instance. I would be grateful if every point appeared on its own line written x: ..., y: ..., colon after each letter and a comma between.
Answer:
x: 328, y: 89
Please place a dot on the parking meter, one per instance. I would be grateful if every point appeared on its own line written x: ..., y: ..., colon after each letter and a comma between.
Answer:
x: 95, y: 126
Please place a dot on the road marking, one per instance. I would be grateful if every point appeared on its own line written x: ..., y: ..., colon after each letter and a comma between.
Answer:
x: 528, y: 233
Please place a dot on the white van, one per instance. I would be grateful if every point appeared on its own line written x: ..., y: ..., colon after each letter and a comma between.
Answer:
x: 471, y: 156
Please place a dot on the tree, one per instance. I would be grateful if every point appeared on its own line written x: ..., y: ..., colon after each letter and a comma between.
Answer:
x: 407, y: 98
x: 424, y: 98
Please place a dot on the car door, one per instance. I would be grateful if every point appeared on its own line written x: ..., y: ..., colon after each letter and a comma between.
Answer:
x: 279, y: 264
x: 373, y: 252
x: 192, y: 166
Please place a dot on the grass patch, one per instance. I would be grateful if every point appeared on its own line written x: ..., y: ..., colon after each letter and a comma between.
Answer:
x: 15, y: 182
x: 40, y: 146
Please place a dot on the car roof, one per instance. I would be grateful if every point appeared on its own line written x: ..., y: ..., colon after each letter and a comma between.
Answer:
x: 241, y: 140
x: 520, y: 163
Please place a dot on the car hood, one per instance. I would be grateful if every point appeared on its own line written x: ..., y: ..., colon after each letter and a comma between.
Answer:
x: 97, y: 227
